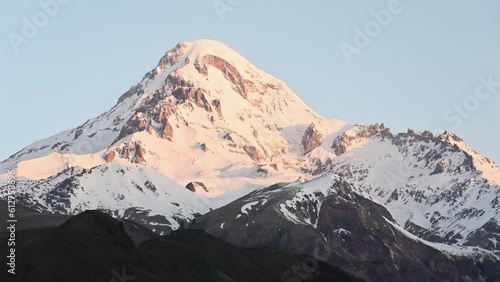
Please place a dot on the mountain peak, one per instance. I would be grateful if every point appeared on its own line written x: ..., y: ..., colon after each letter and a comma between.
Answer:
x: 200, y: 91
x: 209, y: 46
x: 200, y: 63
x: 186, y: 52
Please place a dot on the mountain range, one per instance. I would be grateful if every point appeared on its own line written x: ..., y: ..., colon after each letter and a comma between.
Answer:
x: 207, y: 139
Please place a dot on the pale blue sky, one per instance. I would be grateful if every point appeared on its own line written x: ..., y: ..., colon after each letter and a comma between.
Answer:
x: 427, y: 59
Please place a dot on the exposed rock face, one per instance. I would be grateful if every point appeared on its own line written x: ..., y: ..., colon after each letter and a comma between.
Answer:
x: 312, y: 138
x: 172, y: 56
x: 265, y: 170
x: 229, y: 71
x: 468, y: 164
x: 423, y: 233
x: 342, y: 228
x: 218, y: 108
x: 174, y: 81
x: 194, y: 95
x: 133, y: 152
x: 440, y: 168
x: 262, y: 171
x: 341, y: 143
x: 204, y: 147
x: 158, y: 108
x: 196, y: 186
x: 487, y: 237
x: 139, y: 154
x: 274, y: 166
x: 109, y: 157
x: 240, y: 142
x: 168, y: 131
x: 344, y: 141
x: 78, y: 133
x: 135, y: 124
x: 144, y: 118
x: 253, y: 153
x: 134, y: 90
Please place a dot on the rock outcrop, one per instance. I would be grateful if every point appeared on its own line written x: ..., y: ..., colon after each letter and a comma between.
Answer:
x: 312, y: 138
x: 196, y: 186
x: 229, y: 71
x: 440, y: 168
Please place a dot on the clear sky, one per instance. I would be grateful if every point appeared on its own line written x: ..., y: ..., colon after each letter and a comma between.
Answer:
x: 419, y: 69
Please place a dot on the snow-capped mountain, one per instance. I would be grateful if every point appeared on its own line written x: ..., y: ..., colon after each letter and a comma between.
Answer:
x: 434, y: 185
x: 206, y: 127
x: 330, y: 220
